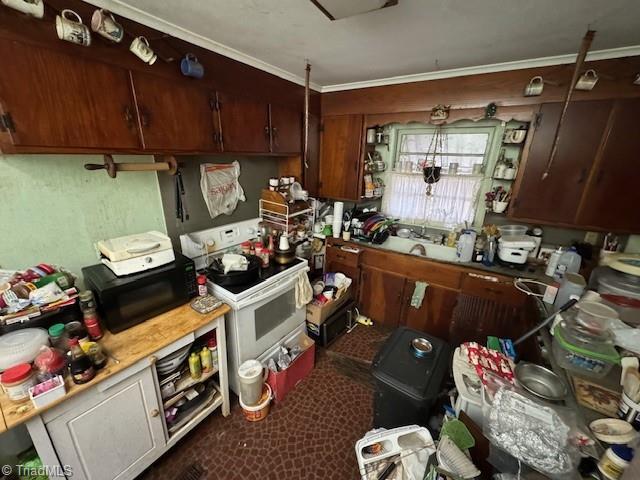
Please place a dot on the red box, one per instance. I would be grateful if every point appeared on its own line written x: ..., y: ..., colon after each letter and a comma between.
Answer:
x: 282, y: 382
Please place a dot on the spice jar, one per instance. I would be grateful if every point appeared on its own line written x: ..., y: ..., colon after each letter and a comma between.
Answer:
x: 202, y: 285
x: 87, y: 300
x: 58, y: 337
x: 50, y: 363
x: 263, y: 255
x: 246, y: 247
x: 92, y: 322
x: 17, y: 380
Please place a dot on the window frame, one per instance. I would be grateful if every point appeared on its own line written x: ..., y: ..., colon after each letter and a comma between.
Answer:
x: 495, y: 130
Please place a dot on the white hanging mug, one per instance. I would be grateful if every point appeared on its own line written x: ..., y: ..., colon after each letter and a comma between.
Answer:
x: 534, y: 87
x: 587, y: 80
x: 104, y: 23
x: 140, y: 47
x: 35, y: 8
x: 69, y: 27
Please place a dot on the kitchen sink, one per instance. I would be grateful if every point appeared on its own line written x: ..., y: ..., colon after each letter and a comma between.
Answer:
x: 405, y: 245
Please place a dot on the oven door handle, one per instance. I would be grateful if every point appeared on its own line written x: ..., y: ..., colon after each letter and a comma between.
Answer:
x: 271, y: 291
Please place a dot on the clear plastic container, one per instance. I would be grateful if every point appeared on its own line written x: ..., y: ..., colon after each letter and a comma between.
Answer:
x: 512, y: 230
x: 594, y: 316
x: 582, y: 351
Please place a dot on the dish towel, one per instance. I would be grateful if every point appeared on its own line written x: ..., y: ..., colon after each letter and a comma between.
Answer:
x: 418, y: 294
x: 304, y: 292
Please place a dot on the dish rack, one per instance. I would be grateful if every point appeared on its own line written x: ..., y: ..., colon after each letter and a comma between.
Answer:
x: 286, y: 217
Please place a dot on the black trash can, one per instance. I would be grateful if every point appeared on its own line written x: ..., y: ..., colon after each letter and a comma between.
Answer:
x: 408, y: 381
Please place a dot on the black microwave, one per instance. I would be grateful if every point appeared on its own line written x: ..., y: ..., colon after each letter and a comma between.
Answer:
x: 126, y: 301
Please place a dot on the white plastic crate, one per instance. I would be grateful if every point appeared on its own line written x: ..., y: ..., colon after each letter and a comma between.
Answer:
x: 394, y: 442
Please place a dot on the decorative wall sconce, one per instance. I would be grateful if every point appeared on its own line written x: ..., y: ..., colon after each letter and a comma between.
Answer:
x: 587, y: 80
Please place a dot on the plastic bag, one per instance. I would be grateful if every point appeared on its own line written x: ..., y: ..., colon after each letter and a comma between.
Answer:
x: 220, y: 187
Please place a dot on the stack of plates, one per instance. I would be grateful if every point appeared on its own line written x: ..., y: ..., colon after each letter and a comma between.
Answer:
x: 172, y: 362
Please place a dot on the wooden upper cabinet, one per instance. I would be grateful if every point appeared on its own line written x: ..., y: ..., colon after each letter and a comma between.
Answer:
x: 340, y: 157
x: 613, y: 194
x: 244, y: 124
x: 52, y: 102
x: 174, y: 115
x: 557, y: 197
x: 286, y: 129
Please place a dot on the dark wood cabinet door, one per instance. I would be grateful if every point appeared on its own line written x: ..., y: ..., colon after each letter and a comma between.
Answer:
x: 434, y: 315
x: 557, y: 197
x: 244, y: 124
x: 286, y: 129
x: 174, y: 116
x: 613, y: 194
x: 58, y: 101
x: 340, y: 152
x: 381, y: 296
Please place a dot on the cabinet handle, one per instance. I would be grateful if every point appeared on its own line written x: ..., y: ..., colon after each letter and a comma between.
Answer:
x: 128, y: 116
x: 155, y: 412
x: 144, y: 117
x: 600, y: 176
x: 152, y: 360
x: 267, y: 132
x: 274, y: 133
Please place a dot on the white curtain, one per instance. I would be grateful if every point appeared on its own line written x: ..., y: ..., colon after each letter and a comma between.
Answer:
x: 452, y: 200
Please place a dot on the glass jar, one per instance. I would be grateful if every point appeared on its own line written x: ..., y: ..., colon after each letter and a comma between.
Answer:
x: 58, y: 337
x: 50, y: 363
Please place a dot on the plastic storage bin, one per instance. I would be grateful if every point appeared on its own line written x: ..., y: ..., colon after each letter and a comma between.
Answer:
x: 512, y: 230
x: 584, y: 352
x: 407, y: 383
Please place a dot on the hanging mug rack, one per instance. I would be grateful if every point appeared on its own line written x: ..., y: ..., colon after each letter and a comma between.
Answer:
x: 168, y: 164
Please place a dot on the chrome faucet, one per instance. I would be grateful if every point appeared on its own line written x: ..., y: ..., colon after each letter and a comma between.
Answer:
x: 420, y: 248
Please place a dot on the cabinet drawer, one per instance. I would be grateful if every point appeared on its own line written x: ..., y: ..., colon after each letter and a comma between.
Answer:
x: 492, y: 287
x: 337, y: 255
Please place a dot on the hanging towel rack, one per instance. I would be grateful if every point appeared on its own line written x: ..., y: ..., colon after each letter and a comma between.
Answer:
x: 167, y: 164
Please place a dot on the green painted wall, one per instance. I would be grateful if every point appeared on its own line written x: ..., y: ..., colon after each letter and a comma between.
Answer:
x: 53, y: 210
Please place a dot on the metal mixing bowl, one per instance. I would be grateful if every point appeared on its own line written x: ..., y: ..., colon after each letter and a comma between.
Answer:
x: 541, y: 382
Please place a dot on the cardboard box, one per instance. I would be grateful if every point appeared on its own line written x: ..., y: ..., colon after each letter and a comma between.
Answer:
x: 317, y: 314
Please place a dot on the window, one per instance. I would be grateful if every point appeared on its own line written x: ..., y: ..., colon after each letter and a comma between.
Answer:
x: 454, y: 198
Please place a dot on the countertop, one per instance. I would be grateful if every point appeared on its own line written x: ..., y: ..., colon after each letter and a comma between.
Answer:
x: 124, y: 349
x: 534, y: 272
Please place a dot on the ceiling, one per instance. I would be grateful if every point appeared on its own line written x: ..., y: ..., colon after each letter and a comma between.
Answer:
x: 414, y: 40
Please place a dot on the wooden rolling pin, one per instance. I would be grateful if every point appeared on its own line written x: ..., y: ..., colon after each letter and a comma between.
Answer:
x: 169, y: 165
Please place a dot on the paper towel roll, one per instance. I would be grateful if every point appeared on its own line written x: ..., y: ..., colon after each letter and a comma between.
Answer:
x: 338, y: 210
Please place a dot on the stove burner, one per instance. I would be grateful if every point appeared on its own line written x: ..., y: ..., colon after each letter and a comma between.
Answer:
x: 264, y: 274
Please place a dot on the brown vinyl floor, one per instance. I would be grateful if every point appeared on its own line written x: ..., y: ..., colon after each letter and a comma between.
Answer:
x: 310, y: 435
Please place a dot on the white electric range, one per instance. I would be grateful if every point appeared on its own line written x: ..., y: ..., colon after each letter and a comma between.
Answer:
x: 263, y: 313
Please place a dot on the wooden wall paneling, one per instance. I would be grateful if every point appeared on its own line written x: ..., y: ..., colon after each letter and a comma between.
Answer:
x: 519, y: 113
x: 556, y: 198
x: 612, y: 195
x: 174, y: 117
x: 56, y: 100
x: 477, y: 91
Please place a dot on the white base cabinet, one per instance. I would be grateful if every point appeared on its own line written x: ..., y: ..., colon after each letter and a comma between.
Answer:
x: 116, y: 429
x: 111, y: 435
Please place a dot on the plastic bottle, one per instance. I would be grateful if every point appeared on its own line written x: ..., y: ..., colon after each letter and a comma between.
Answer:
x: 206, y: 360
x: 466, y: 243
x: 569, y: 262
x: 553, y: 262
x: 195, y: 366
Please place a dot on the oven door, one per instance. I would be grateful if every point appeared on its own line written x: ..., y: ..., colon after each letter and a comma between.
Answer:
x: 266, y: 317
